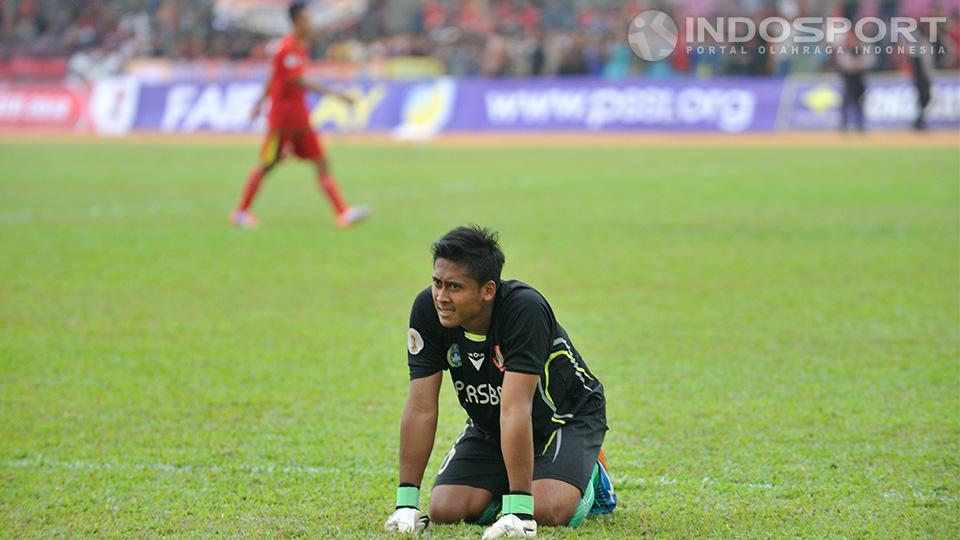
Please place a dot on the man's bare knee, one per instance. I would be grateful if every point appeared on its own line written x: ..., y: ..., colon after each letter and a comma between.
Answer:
x: 443, y: 513
x: 554, y: 502
x: 552, y: 516
x: 447, y: 512
x: 453, y: 504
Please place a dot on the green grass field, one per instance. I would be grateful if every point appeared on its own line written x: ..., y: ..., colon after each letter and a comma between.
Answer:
x: 778, y: 331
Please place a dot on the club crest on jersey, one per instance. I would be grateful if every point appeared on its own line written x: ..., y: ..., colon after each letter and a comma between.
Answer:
x: 291, y: 60
x: 498, y: 358
x: 414, y: 341
x: 453, y: 356
x: 476, y: 358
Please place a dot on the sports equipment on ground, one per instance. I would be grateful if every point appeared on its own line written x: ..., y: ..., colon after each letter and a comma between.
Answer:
x: 510, y: 526
x: 407, y: 521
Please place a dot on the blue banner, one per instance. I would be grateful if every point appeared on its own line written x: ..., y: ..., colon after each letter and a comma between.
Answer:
x: 723, y: 105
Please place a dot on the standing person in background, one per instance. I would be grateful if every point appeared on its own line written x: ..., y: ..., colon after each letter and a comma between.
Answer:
x: 290, y: 125
x: 853, y: 61
x: 921, y: 64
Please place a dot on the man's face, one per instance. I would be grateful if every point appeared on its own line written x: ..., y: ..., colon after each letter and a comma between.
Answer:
x: 457, y: 297
x: 301, y: 25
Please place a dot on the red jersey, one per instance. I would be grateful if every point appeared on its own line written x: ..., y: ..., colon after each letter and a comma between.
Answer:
x: 288, y: 109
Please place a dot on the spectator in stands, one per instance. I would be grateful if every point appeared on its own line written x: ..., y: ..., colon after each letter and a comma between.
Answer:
x: 468, y: 37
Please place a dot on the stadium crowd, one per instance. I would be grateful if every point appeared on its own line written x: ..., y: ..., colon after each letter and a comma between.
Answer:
x: 490, y: 38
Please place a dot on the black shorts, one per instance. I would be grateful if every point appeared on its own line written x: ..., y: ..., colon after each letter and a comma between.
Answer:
x: 477, y: 461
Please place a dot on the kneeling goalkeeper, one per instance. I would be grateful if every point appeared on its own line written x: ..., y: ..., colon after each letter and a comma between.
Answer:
x: 530, y: 451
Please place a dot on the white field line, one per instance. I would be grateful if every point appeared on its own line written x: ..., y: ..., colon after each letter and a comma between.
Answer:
x: 92, y: 213
x: 306, y: 470
x: 266, y: 469
x: 301, y: 470
x: 669, y: 481
x: 921, y: 495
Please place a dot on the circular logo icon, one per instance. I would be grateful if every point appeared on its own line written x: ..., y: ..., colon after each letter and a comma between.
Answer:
x: 652, y: 35
x: 414, y: 341
x: 291, y: 60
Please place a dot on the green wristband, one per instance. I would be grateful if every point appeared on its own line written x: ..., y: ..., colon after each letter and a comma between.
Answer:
x: 517, y: 504
x: 408, y: 496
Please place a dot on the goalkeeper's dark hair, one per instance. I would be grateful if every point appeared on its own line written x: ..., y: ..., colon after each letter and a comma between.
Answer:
x: 295, y: 9
x: 475, y: 247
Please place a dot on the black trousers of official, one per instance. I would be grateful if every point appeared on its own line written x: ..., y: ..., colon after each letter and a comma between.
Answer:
x: 854, y: 89
x: 922, y: 83
x: 923, y: 99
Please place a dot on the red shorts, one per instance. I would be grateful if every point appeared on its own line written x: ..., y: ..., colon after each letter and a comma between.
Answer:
x: 303, y: 142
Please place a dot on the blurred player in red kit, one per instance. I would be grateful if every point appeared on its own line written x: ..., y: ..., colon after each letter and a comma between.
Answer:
x: 290, y: 128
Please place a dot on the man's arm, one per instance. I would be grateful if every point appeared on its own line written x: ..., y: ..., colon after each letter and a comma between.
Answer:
x: 516, y: 443
x: 516, y: 428
x: 321, y: 89
x: 255, y: 112
x: 419, y: 427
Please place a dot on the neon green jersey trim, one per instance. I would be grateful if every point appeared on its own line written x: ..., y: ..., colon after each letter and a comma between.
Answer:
x: 546, y: 373
x: 550, y: 440
x: 474, y: 337
x: 572, y: 360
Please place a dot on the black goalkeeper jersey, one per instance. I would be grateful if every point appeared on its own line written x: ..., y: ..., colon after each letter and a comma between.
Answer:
x: 525, y: 337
